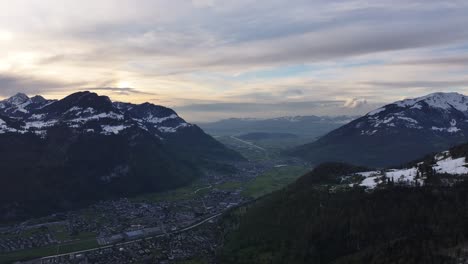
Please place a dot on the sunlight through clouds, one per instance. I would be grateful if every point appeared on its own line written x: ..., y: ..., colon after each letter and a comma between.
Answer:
x: 190, y: 52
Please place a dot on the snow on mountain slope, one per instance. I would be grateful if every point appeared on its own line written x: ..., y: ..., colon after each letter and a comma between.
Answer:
x: 395, y: 133
x: 444, y: 101
x: 18, y: 99
x: 451, y: 110
x: 4, y: 128
x: 21, y: 105
x: 443, y: 163
x: 87, y: 113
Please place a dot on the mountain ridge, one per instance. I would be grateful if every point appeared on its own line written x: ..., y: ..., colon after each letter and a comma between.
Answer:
x: 308, y: 126
x: 62, y: 154
x: 341, y: 213
x: 395, y: 133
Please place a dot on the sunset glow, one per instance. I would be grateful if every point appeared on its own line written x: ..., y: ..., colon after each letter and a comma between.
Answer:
x: 184, y: 53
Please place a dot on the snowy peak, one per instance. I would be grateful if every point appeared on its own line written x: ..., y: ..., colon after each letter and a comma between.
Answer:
x: 17, y: 99
x: 20, y: 105
x: 155, y: 118
x: 396, y: 133
x: 87, y: 112
x: 441, y: 101
x: 436, y: 112
x: 444, y: 101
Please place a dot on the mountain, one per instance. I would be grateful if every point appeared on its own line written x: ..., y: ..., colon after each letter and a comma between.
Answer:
x: 396, y: 133
x: 446, y: 167
x: 340, y: 213
x: 266, y: 136
x: 57, y: 155
x: 310, y: 126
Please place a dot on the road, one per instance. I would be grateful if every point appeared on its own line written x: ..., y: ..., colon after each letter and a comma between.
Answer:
x: 248, y: 143
x: 252, y: 145
x: 199, y: 189
x: 130, y: 242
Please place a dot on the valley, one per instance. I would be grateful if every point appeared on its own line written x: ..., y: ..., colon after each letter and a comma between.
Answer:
x: 149, y: 221
x: 233, y: 132
x: 236, y: 190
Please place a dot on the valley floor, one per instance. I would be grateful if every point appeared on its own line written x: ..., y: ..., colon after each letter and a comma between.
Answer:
x: 169, y: 227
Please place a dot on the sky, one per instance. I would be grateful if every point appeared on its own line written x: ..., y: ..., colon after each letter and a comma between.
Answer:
x: 213, y: 59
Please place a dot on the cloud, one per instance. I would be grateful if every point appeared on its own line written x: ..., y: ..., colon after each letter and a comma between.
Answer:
x: 446, y: 84
x: 228, y: 38
x: 12, y: 84
x: 121, y: 91
x: 355, y: 103
x: 203, y: 3
x: 217, y: 111
x: 278, y: 94
x: 243, y: 51
x: 450, y: 61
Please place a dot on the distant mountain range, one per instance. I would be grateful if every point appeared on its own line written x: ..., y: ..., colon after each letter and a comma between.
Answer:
x: 58, y: 154
x: 396, y: 133
x: 310, y: 126
x: 254, y: 136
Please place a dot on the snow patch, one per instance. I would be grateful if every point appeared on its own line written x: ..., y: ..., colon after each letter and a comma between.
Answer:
x: 157, y: 120
x: 40, y: 124
x: 21, y: 108
x: 173, y: 129
x: 451, y: 166
x: 449, y: 129
x: 370, y: 182
x: 408, y: 119
x: 403, y: 175
x: 417, y: 106
x: 4, y: 128
x: 110, y: 115
x: 109, y: 130
x: 445, y: 164
x: 376, y: 111
x: 37, y: 116
x: 89, y: 110
x: 369, y: 132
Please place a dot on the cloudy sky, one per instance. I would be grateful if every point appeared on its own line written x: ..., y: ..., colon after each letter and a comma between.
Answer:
x: 212, y: 59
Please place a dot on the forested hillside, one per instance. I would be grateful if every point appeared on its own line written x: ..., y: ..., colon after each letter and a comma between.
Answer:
x: 313, y: 223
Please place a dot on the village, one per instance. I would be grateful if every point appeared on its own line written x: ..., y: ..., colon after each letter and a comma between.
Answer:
x: 169, y: 227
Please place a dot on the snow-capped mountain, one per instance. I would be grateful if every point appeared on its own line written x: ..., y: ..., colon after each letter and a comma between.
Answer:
x: 85, y: 112
x: 310, y: 126
x: 21, y: 105
x: 438, y: 112
x: 331, y: 119
x: 396, y: 133
x: 66, y: 153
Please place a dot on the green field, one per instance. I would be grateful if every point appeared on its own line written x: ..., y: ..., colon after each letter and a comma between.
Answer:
x: 266, y: 183
x: 81, y: 244
x: 257, y: 150
x: 273, y: 180
x: 80, y: 241
x: 186, y: 192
